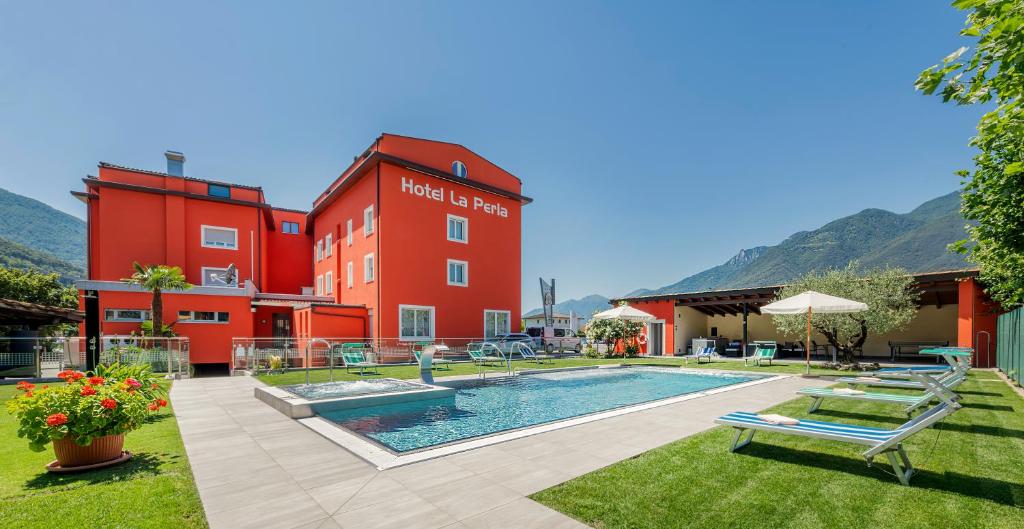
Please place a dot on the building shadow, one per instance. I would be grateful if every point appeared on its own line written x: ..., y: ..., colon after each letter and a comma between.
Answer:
x: 140, y: 465
x: 998, y: 491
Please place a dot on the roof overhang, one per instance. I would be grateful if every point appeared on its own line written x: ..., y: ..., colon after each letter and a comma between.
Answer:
x: 14, y: 312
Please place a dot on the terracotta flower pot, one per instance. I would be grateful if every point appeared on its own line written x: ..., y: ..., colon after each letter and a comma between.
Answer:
x: 102, y: 449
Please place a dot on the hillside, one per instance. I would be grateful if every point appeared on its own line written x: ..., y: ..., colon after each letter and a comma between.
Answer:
x: 585, y: 306
x: 14, y: 255
x: 916, y: 241
x: 41, y: 228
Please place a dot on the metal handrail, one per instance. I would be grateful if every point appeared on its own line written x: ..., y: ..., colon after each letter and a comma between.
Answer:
x: 329, y: 354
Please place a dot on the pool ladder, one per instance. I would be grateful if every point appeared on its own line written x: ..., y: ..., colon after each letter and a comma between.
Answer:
x: 509, y: 368
x: 330, y: 357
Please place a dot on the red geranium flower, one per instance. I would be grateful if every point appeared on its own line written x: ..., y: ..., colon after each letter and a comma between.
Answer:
x: 96, y: 381
x: 25, y: 385
x: 86, y: 391
x: 63, y: 375
x: 154, y: 386
x: 28, y: 393
x: 161, y: 402
x: 77, y: 375
x: 153, y: 407
x: 108, y: 403
x: 132, y: 383
x: 56, y: 419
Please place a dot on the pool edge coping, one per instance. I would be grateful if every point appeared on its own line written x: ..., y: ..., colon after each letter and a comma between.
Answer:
x: 384, y: 459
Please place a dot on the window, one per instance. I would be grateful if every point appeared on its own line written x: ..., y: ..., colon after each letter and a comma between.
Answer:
x: 329, y: 282
x: 217, y: 237
x: 458, y: 229
x: 218, y: 277
x: 348, y: 269
x: 126, y: 315
x: 202, y: 316
x: 368, y: 268
x: 319, y: 285
x: 217, y: 190
x: 458, y: 273
x: 328, y: 243
x: 319, y: 250
x: 348, y: 229
x: 496, y: 323
x: 415, y: 322
x: 459, y: 169
x: 290, y: 227
x: 368, y: 220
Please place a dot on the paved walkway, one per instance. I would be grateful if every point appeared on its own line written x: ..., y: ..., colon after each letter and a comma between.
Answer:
x: 256, y: 468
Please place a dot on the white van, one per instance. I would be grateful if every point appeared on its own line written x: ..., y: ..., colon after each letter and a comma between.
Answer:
x: 555, y: 339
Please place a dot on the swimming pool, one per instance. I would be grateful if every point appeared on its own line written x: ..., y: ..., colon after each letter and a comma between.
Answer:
x: 480, y: 408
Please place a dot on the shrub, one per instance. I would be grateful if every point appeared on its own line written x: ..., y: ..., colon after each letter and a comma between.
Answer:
x: 116, y: 399
x: 632, y: 350
x: 592, y: 352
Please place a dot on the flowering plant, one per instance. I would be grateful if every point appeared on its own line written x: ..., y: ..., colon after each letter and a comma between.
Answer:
x: 116, y: 399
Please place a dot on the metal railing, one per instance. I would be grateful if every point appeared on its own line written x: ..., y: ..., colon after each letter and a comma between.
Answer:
x: 263, y: 355
x: 46, y: 356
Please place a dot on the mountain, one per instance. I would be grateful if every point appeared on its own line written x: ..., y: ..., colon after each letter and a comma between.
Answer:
x: 14, y: 255
x: 34, y: 225
x: 34, y: 235
x: 585, y: 306
x: 916, y: 241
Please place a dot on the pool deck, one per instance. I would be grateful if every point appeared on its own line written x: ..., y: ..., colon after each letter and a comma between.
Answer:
x: 255, y: 467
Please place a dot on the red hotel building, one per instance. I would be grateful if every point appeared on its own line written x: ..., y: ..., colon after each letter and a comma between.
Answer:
x: 416, y: 240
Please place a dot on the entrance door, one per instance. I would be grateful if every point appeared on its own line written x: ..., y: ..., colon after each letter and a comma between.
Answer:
x: 655, y: 337
x: 282, y: 329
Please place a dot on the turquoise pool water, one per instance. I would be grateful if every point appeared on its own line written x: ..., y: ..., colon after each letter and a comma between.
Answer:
x: 484, y: 408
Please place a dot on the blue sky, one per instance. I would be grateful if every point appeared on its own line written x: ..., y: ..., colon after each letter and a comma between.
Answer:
x: 646, y: 132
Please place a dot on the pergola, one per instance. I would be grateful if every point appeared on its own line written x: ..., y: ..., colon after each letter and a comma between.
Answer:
x: 33, y: 315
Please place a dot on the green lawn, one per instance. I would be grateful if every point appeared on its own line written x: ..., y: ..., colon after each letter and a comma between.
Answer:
x: 154, y: 489
x: 412, y: 371
x: 971, y: 475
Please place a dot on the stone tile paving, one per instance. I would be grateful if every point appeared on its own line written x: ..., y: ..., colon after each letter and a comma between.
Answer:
x: 254, y: 467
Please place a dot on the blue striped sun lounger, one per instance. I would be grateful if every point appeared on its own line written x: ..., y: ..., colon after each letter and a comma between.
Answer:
x: 949, y: 380
x: 934, y: 391
x: 878, y: 440
x: 705, y: 352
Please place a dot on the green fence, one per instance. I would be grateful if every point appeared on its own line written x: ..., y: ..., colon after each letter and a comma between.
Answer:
x: 1010, y: 344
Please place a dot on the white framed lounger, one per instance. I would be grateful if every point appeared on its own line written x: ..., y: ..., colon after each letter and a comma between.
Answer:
x: 879, y: 440
x: 933, y: 391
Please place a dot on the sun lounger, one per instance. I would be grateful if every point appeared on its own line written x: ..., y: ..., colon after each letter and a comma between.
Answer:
x: 528, y: 353
x: 354, y: 356
x: 762, y: 353
x: 482, y: 353
x: 878, y: 440
x: 705, y: 352
x: 912, y: 402
x: 949, y: 380
x: 435, y: 363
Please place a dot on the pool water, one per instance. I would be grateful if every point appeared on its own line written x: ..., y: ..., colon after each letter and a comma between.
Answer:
x: 330, y: 390
x: 486, y: 407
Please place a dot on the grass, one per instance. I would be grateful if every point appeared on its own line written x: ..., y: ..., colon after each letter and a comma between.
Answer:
x: 465, y: 368
x: 154, y: 489
x: 971, y: 475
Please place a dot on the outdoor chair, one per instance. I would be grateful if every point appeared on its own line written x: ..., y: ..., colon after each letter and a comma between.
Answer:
x: 436, y: 362
x: 705, y: 352
x: 480, y: 355
x: 762, y: 353
x: 879, y: 440
x: 354, y: 355
x: 912, y: 402
x: 529, y: 354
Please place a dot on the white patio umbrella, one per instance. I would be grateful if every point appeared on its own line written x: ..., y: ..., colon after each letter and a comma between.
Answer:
x: 624, y: 312
x: 810, y: 302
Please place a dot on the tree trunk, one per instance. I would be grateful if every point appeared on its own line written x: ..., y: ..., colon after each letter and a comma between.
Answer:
x: 158, y: 313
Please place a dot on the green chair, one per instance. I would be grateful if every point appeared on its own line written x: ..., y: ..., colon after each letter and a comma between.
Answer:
x: 764, y: 352
x: 478, y: 353
x: 354, y: 355
x: 436, y: 362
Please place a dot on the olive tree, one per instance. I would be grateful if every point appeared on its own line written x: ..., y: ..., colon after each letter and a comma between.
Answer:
x: 889, y: 294
x: 612, y: 330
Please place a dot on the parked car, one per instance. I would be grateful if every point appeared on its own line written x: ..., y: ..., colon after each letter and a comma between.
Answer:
x: 562, y: 340
x: 505, y: 341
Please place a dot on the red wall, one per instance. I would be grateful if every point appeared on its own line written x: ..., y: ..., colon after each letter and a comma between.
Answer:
x: 288, y: 258
x: 662, y: 310
x: 977, y: 314
x: 440, y: 155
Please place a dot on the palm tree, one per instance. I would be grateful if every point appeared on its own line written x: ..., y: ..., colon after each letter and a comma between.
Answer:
x: 156, y: 279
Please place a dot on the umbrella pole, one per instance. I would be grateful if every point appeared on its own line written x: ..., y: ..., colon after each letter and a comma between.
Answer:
x: 807, y: 344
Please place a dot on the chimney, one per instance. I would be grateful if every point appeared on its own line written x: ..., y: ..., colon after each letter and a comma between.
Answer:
x: 175, y: 163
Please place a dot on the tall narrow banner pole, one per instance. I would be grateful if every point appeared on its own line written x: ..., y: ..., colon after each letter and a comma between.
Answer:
x: 807, y: 345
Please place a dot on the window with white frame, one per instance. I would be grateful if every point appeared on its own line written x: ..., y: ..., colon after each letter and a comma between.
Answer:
x: 348, y: 232
x: 319, y: 250
x: 319, y: 285
x: 368, y: 268
x: 415, y: 322
x: 202, y: 316
x: 219, y: 237
x: 218, y: 277
x: 126, y: 315
x: 368, y: 220
x: 329, y: 282
x: 458, y: 229
x: 497, y: 323
x: 458, y: 273
x: 328, y: 243
x: 348, y: 270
